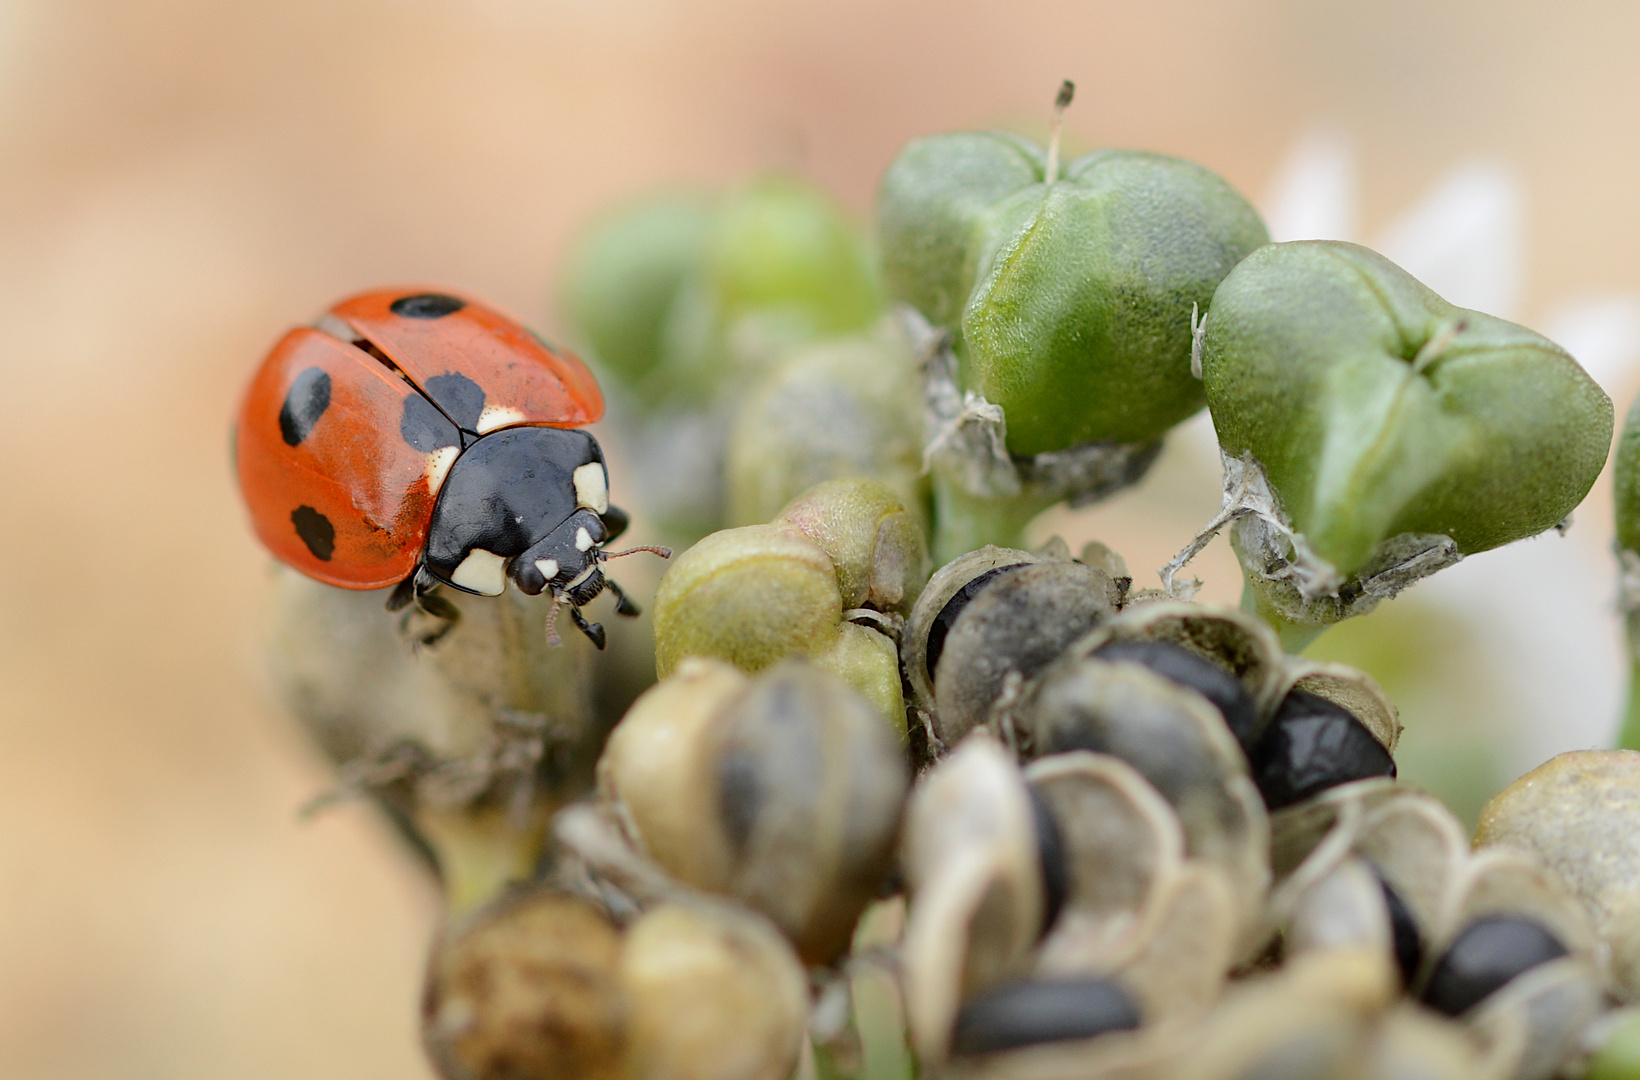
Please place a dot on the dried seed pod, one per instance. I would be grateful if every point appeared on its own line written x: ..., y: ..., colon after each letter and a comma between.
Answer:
x: 471, y: 740
x: 997, y: 620
x: 1312, y: 745
x: 528, y: 986
x: 784, y: 791
x: 1411, y: 1044
x: 1176, y: 740
x: 1532, y: 1023
x: 948, y: 591
x: 875, y: 542
x: 1314, y: 1018
x: 1079, y: 849
x: 715, y: 994
x: 1232, y: 641
x: 1577, y: 814
x: 975, y: 874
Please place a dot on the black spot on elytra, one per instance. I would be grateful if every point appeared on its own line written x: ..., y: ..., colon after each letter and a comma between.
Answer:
x: 316, y: 531
x: 461, y: 399
x: 305, y: 402
x: 429, y: 305
x: 424, y: 427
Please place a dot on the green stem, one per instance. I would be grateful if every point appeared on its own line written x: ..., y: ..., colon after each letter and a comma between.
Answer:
x: 1629, y: 738
x: 963, y: 522
x: 1295, y: 637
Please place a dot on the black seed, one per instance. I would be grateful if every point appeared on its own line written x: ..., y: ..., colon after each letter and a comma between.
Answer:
x: 1178, y: 664
x: 424, y: 427
x: 1488, y: 953
x: 1050, y: 855
x: 429, y: 305
x: 1310, y: 746
x: 306, y: 401
x: 460, y: 397
x: 316, y: 531
x: 738, y: 795
x: 1409, y: 948
x: 1019, y: 1014
x: 941, y: 626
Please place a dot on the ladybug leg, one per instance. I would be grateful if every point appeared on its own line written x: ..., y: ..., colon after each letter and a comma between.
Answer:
x: 402, y: 593
x: 593, y: 631
x: 429, y: 600
x: 623, y: 603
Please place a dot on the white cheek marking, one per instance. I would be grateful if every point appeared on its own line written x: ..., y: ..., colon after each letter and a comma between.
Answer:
x: 583, y: 539
x: 548, y: 568
x: 483, y: 572
x: 438, y: 466
x: 592, y: 487
x: 497, y: 416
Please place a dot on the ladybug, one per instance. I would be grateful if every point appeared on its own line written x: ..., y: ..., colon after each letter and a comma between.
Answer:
x: 418, y: 439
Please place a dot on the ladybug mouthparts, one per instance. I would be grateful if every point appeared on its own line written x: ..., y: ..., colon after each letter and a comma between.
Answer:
x: 530, y: 504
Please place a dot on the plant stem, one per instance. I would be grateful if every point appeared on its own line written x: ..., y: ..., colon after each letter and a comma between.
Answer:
x: 963, y: 522
x: 1295, y: 637
x: 480, y: 852
x: 1629, y: 737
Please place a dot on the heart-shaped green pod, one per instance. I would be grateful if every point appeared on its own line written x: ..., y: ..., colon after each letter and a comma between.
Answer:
x: 1375, y: 410
x: 1071, y: 295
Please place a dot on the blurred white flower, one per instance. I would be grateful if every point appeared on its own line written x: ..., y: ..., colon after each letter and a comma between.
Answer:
x: 1543, y: 609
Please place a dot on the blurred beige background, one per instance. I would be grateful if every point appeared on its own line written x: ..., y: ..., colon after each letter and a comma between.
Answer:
x: 184, y: 179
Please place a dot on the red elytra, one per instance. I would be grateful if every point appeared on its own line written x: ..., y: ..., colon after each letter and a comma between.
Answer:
x: 340, y: 481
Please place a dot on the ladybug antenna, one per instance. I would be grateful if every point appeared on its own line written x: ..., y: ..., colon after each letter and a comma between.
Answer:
x: 663, y: 552
x: 553, y: 639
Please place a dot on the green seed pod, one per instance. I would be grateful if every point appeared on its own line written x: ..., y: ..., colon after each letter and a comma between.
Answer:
x: 1071, y: 294
x: 751, y: 596
x: 782, y: 791
x: 471, y: 739
x: 760, y: 593
x: 1373, y: 432
x: 1578, y: 814
x: 846, y: 407
x: 875, y: 542
x: 624, y: 277
x: 715, y: 994
x: 528, y: 986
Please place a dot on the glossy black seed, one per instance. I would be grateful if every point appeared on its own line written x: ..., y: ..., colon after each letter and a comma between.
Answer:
x: 1178, y: 664
x: 941, y: 626
x: 1042, y: 1011
x: 430, y: 305
x: 460, y: 398
x: 305, y: 402
x: 1409, y: 946
x: 424, y: 427
x: 1050, y: 855
x: 1488, y: 953
x: 316, y: 532
x: 1312, y: 745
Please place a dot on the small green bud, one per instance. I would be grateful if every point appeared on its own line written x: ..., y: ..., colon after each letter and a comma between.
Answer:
x: 751, y: 596
x: 1377, y: 410
x: 624, y: 278
x: 847, y: 407
x: 1071, y: 295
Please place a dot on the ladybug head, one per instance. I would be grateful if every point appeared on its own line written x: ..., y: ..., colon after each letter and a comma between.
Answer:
x: 530, y: 504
